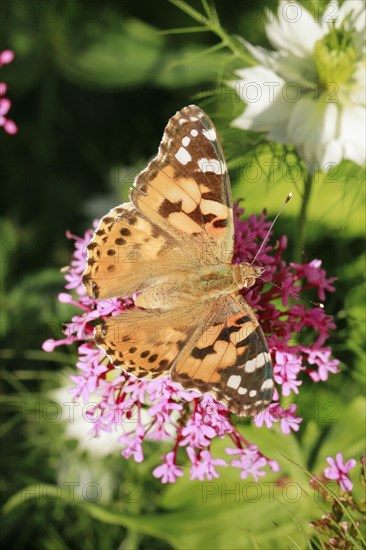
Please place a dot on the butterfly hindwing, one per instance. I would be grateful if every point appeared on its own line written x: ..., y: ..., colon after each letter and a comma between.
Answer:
x: 217, y: 348
x: 146, y: 343
x: 229, y: 359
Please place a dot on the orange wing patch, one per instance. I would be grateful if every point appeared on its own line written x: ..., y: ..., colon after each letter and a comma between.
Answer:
x: 126, y: 252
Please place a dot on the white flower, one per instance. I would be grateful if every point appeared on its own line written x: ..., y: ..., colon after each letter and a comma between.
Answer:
x: 311, y: 91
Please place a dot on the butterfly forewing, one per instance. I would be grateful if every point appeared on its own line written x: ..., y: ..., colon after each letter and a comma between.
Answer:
x: 126, y: 252
x: 186, y: 189
x: 179, y: 219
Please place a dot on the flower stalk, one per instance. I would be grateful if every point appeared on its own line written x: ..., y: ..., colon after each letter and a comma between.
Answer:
x: 302, y: 219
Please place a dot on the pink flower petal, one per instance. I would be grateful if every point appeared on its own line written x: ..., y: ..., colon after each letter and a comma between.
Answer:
x: 10, y: 127
x: 6, y: 57
x: 5, y: 105
x: 346, y: 484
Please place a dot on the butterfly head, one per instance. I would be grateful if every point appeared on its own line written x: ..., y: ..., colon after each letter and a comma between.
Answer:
x: 245, y: 274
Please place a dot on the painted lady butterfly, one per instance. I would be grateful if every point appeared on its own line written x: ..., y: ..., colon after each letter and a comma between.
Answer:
x: 173, y: 243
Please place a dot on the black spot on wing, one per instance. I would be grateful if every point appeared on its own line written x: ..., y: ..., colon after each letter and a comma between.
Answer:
x: 201, y: 353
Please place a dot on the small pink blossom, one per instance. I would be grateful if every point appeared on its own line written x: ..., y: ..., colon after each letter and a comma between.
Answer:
x: 196, y: 433
x: 275, y: 413
x: 6, y: 56
x: 338, y: 470
x: 133, y: 445
x: 321, y: 358
x: 9, y: 125
x: 203, y: 465
x: 168, y: 471
x: 315, y: 276
x: 250, y: 461
x: 288, y: 419
x: 286, y: 369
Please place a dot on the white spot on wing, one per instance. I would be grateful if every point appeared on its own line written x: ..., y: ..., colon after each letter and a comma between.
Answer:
x: 211, y: 165
x: 183, y: 156
x: 182, y: 121
x: 242, y: 391
x: 185, y: 141
x: 210, y: 134
x: 267, y: 384
x: 250, y: 366
x: 252, y: 393
x: 194, y: 133
x: 234, y: 381
x: 262, y: 359
x: 257, y: 362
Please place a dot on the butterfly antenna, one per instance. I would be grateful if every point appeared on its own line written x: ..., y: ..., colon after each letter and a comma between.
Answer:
x: 317, y: 304
x: 288, y: 198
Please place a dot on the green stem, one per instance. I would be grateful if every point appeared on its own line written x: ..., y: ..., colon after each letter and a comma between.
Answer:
x: 301, y: 223
x: 211, y: 22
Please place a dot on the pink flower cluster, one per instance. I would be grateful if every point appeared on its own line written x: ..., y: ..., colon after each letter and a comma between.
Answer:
x: 291, y: 360
x: 160, y: 410
x: 9, y: 125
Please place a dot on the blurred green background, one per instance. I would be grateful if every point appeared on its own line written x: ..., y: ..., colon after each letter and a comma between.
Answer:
x: 93, y: 85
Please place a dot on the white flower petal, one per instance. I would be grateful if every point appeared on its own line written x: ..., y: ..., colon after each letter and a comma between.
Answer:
x: 311, y: 126
x: 329, y: 123
x: 294, y: 29
x: 303, y: 71
x: 357, y: 9
x: 262, y: 55
x: 261, y: 89
x: 332, y: 153
x: 352, y: 133
x: 357, y: 90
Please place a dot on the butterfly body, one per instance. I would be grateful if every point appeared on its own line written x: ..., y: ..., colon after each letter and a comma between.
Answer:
x: 204, y: 284
x: 172, y: 244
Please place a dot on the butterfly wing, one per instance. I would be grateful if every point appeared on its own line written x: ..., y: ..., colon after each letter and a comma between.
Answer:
x: 217, y: 348
x: 186, y: 191
x: 228, y: 357
x: 146, y: 343
x: 127, y: 252
x: 180, y: 215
